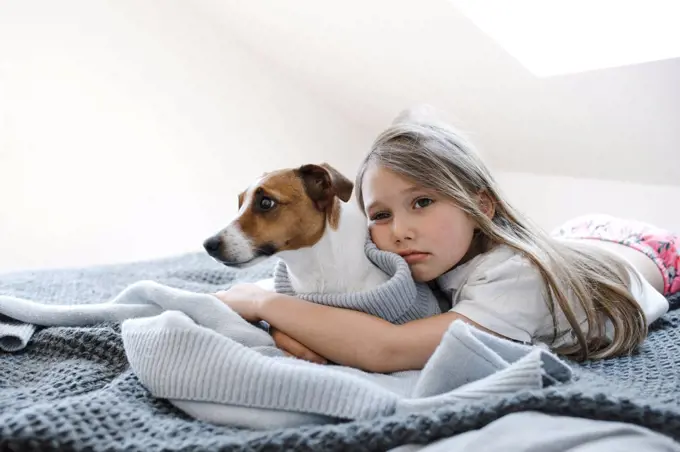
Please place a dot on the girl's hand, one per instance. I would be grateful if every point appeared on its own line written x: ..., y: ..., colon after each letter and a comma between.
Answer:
x: 292, y: 347
x: 248, y: 300
x: 245, y: 299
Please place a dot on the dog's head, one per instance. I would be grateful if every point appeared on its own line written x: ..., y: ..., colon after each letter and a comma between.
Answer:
x: 284, y: 210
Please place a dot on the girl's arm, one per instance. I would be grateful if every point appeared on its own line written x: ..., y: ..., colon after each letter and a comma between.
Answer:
x: 354, y: 338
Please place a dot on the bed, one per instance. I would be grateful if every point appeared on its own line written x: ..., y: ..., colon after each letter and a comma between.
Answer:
x: 73, y: 389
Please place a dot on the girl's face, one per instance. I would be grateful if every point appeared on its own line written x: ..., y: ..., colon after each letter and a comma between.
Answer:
x: 430, y: 232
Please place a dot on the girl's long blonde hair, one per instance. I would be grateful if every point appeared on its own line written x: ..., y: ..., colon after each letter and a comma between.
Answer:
x: 436, y: 157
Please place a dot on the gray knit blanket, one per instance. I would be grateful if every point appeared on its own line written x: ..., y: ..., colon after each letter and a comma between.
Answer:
x: 73, y: 388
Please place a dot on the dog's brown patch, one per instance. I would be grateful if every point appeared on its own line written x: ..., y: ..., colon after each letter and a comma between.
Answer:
x: 334, y: 215
x: 305, y: 200
x: 293, y: 223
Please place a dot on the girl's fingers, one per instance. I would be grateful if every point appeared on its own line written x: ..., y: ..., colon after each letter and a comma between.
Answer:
x: 292, y: 347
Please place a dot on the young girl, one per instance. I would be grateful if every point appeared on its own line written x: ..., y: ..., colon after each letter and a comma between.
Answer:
x: 587, y: 291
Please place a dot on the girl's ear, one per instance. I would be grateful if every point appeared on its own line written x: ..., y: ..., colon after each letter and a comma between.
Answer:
x: 487, y: 205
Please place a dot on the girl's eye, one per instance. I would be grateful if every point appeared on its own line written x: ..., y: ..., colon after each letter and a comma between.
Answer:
x: 380, y: 216
x: 422, y: 202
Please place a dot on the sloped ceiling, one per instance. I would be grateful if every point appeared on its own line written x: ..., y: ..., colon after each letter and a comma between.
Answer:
x: 370, y: 59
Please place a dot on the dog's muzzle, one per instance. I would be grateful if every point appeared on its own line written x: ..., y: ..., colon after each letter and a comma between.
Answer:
x: 232, y: 248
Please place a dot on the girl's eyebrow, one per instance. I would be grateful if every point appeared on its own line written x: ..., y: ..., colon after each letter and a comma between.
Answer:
x: 403, y: 192
x: 372, y: 205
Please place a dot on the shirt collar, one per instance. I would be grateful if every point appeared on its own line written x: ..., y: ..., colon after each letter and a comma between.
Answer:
x: 454, y: 278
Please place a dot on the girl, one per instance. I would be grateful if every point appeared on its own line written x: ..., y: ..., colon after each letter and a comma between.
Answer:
x: 587, y: 291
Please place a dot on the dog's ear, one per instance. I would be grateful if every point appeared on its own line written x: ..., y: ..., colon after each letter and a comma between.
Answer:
x: 323, y: 182
x: 341, y: 185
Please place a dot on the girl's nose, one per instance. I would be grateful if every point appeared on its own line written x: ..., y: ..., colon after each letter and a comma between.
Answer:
x: 402, y: 230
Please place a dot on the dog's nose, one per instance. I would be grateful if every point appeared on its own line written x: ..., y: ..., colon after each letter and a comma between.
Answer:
x: 213, y: 245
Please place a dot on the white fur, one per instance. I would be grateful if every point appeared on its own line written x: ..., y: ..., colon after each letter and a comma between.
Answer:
x: 337, y: 262
x: 240, y: 249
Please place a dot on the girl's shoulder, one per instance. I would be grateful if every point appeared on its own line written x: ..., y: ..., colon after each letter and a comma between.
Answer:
x: 499, y: 263
x: 500, y: 290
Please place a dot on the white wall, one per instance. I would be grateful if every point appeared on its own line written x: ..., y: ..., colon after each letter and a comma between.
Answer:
x: 371, y: 58
x: 127, y: 129
x: 550, y: 200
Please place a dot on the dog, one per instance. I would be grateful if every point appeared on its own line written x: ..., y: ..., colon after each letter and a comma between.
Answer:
x: 305, y: 217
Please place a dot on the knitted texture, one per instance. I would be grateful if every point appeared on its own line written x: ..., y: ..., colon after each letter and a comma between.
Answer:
x: 14, y: 335
x: 72, y: 388
x: 193, y: 350
x: 398, y: 300
x: 217, y: 378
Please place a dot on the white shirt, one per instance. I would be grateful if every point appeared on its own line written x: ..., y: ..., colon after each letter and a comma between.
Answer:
x: 505, y: 293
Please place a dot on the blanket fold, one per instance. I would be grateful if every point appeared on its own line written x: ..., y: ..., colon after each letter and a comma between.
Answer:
x: 191, y: 348
x: 141, y: 299
x: 14, y: 334
x: 179, y: 360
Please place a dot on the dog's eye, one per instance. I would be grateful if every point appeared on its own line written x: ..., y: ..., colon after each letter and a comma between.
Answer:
x: 267, y: 203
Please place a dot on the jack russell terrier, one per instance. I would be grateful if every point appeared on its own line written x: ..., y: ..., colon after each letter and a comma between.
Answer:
x: 303, y: 216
